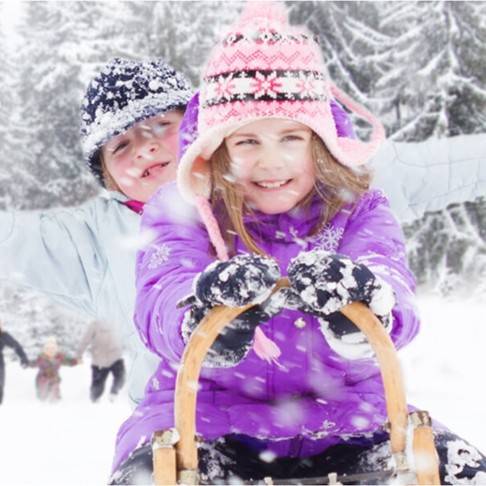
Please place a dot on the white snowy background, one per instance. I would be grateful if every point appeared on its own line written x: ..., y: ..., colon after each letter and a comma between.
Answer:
x: 421, y: 66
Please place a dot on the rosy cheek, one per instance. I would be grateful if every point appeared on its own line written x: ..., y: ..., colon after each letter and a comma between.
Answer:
x: 241, y: 167
x: 130, y: 171
x: 125, y: 181
x: 171, y: 141
x: 123, y: 173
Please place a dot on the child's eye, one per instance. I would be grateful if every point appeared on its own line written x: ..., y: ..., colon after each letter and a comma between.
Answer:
x: 119, y: 147
x: 247, y: 141
x: 291, y: 138
x: 160, y: 127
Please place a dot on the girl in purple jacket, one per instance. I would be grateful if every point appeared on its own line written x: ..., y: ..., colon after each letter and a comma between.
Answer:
x: 267, y: 188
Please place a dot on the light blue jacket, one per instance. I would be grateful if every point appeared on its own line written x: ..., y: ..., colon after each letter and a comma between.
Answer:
x: 83, y: 257
x: 430, y: 175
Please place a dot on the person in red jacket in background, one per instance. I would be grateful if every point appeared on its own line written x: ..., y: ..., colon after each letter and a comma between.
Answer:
x: 48, y: 379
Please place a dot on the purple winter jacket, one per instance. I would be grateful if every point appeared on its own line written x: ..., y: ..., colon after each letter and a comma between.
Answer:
x: 314, y: 398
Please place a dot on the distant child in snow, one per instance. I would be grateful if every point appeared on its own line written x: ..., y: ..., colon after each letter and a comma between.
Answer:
x: 106, y: 358
x: 6, y: 340
x: 278, y: 193
x: 48, y: 379
x: 84, y: 257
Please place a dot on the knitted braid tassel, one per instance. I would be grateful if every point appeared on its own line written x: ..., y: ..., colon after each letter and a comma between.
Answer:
x: 264, y: 347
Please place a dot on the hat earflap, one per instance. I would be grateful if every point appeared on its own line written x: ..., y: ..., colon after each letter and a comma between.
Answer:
x: 354, y: 151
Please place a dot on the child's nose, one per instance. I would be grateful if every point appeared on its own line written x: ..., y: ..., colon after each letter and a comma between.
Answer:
x: 147, y: 150
x: 272, y: 158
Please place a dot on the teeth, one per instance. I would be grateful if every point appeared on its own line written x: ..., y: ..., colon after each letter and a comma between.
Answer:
x: 146, y: 172
x: 271, y: 185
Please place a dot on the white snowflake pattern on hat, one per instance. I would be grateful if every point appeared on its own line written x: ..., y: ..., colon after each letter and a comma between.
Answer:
x: 266, y: 85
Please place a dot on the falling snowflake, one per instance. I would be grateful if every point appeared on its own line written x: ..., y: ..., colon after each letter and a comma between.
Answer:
x: 159, y: 256
x: 295, y: 235
x: 328, y: 238
x: 155, y: 383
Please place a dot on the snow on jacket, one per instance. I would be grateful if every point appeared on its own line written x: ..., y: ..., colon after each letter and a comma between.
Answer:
x: 430, y: 175
x: 84, y: 258
x: 314, y: 398
x: 103, y: 342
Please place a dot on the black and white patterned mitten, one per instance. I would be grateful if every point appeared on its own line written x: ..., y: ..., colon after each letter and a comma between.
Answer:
x: 326, y: 282
x: 242, y: 280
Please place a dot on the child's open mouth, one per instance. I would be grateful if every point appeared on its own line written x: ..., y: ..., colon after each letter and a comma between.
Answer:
x: 154, y: 169
x: 272, y: 185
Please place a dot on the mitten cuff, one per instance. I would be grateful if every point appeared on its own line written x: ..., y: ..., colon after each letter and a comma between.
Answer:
x: 345, y: 338
x: 382, y: 299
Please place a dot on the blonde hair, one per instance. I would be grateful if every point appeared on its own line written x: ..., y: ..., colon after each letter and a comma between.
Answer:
x: 336, y: 185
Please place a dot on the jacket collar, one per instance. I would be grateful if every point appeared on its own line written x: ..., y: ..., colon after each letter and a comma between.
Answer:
x: 290, y: 226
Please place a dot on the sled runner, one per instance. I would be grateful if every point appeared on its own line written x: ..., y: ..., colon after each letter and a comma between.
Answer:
x: 175, y: 451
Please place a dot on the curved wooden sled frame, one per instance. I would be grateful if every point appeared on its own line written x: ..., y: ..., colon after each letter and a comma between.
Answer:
x: 175, y: 450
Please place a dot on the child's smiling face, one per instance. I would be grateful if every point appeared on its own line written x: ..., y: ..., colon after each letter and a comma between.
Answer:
x: 271, y: 160
x: 144, y: 157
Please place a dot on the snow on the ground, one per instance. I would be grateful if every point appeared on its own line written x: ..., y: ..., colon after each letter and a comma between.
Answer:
x: 71, y: 443
x: 67, y: 443
x: 444, y: 366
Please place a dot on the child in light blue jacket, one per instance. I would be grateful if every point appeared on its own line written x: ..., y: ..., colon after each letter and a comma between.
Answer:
x: 84, y: 257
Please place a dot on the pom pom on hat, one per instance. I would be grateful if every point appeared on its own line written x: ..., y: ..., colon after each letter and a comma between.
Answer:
x: 257, y: 11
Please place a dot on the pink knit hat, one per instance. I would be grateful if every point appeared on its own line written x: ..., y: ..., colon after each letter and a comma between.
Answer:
x: 266, y: 68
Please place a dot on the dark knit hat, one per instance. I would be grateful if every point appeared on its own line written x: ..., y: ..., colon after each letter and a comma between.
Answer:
x: 124, y: 93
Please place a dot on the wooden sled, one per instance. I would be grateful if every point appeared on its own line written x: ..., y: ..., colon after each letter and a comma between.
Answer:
x: 175, y: 456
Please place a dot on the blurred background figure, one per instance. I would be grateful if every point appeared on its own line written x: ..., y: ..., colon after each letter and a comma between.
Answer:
x: 7, y: 340
x: 48, y: 379
x: 106, y: 357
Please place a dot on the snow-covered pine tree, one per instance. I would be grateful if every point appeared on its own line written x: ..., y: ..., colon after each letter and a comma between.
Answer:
x: 51, y: 91
x: 123, y: 31
x: 9, y: 100
x: 185, y: 32
x: 436, y: 69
